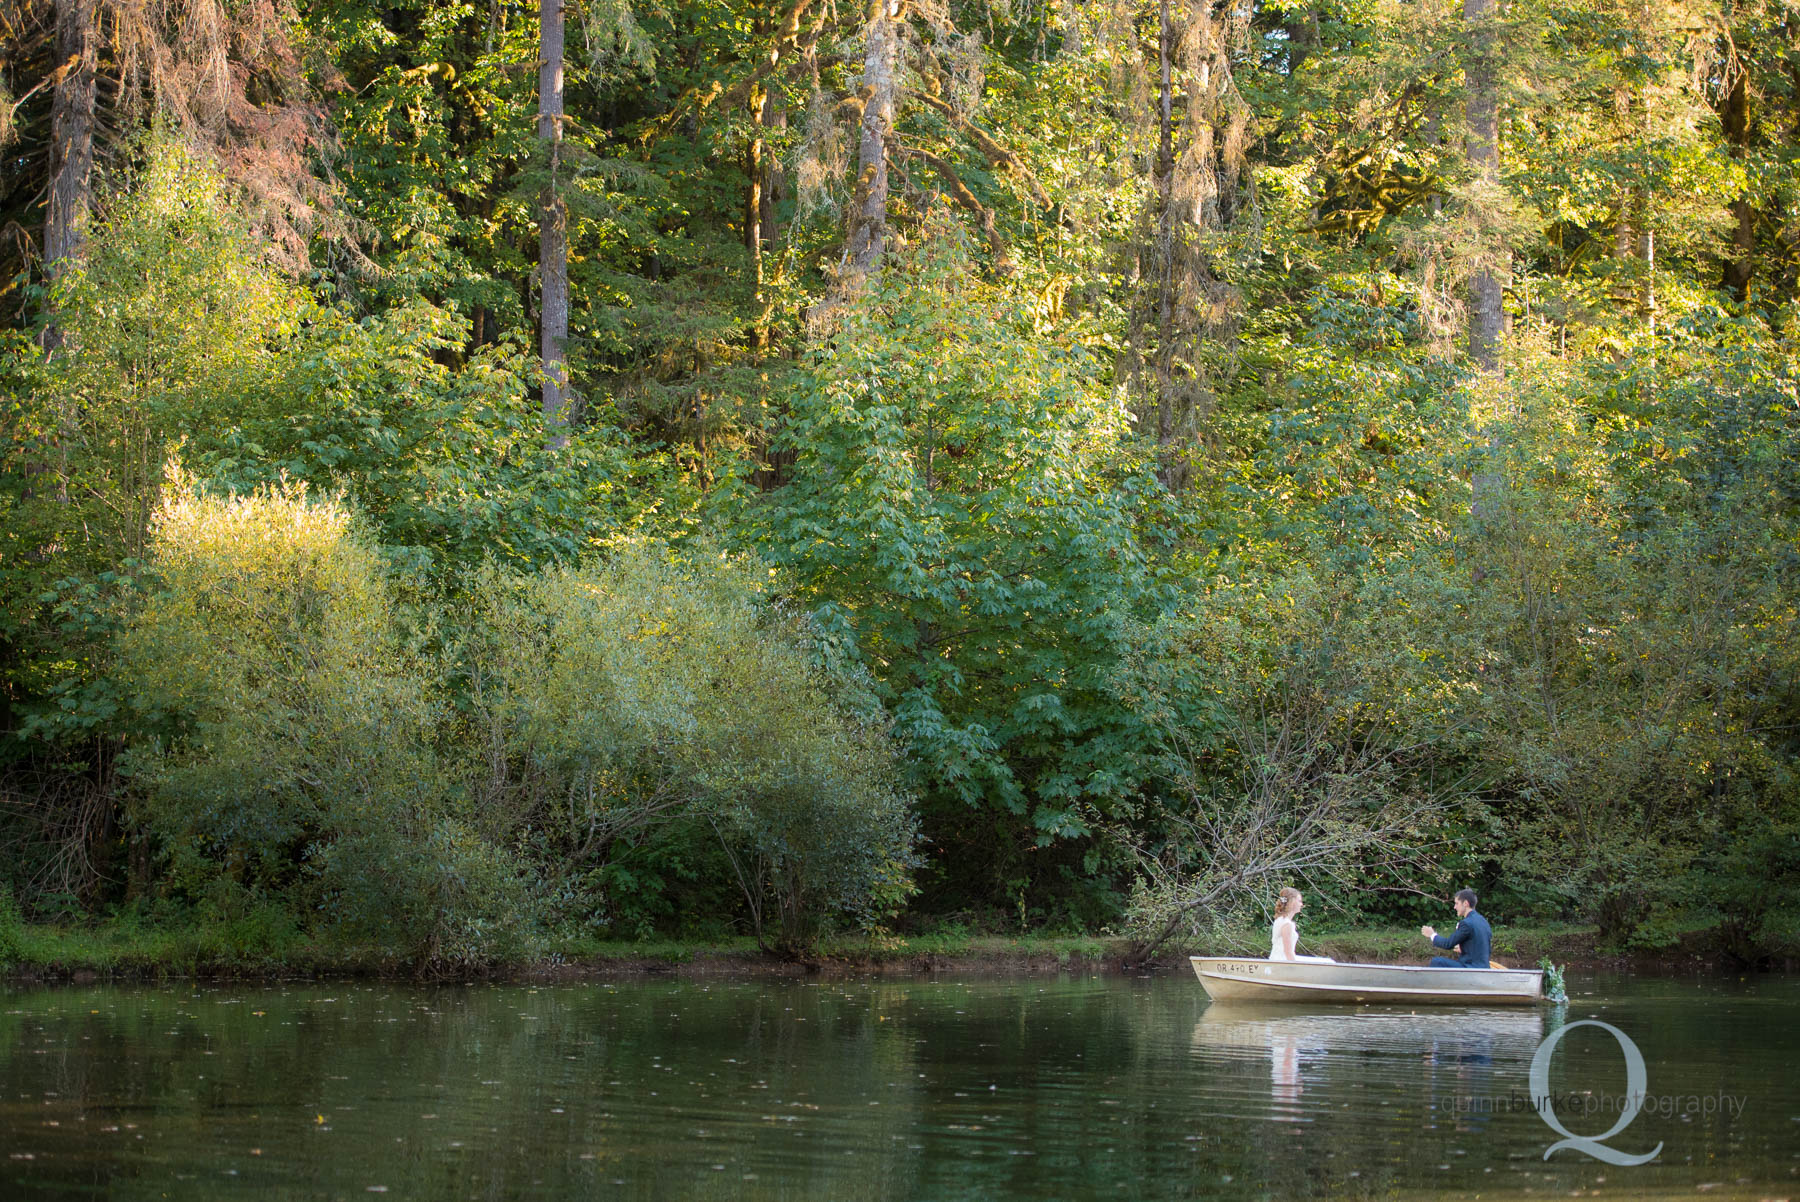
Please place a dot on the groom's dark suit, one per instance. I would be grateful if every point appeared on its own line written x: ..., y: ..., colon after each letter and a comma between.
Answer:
x: 1475, y: 936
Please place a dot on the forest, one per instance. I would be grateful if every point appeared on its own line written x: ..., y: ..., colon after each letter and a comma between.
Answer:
x: 480, y: 476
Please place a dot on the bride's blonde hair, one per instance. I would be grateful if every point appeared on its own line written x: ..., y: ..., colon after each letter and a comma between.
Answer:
x: 1285, y: 905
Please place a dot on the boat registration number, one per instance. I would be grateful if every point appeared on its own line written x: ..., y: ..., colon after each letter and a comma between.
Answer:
x: 1248, y: 970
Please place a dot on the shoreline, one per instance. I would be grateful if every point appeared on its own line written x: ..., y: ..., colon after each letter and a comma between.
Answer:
x: 49, y: 955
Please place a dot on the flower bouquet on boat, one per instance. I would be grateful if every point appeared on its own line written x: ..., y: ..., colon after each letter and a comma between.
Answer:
x: 1287, y: 976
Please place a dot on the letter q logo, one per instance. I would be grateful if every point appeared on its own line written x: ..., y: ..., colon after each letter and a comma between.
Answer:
x: 1635, y: 1078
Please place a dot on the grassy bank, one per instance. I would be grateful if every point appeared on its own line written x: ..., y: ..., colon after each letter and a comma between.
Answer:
x: 131, y: 952
x: 127, y: 952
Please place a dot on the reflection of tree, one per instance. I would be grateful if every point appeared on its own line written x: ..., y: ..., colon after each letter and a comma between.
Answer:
x: 572, y: 1085
x: 821, y: 1089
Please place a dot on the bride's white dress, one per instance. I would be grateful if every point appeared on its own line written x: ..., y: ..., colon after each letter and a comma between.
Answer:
x: 1275, y: 949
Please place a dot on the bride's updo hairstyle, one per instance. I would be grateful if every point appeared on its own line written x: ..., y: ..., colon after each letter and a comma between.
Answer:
x: 1284, y: 906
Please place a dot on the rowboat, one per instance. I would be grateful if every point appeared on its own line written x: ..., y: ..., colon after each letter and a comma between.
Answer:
x: 1243, y: 978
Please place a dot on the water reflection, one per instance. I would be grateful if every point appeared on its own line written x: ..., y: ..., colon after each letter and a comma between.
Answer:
x: 1461, y: 1059
x: 1034, y: 1088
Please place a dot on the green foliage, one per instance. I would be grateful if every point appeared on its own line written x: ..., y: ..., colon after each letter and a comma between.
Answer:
x: 1300, y: 718
x: 1638, y: 602
x: 1128, y: 503
x: 302, y: 749
x: 294, y: 730
x: 614, y: 697
x: 960, y: 519
x: 251, y: 926
x: 1554, y: 988
x: 180, y: 339
x: 171, y: 327
x: 11, y: 926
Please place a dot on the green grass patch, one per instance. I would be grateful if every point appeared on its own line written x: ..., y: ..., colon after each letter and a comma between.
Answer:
x: 668, y: 951
x: 956, y: 944
x: 255, y: 945
x: 131, y: 949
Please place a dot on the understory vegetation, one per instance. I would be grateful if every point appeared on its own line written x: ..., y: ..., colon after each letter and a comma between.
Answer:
x: 795, y: 472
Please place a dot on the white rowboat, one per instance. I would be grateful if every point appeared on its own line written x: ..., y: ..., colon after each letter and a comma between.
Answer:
x: 1243, y: 978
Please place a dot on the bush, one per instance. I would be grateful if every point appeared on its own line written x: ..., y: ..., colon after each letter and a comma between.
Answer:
x: 615, y: 697
x: 12, y: 926
x: 305, y: 752
x: 296, y: 729
x: 448, y: 896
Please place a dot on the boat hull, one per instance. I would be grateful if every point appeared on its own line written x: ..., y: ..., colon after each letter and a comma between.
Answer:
x: 1243, y: 979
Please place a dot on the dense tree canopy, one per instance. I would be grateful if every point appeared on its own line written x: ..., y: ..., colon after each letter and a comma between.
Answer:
x: 1160, y: 451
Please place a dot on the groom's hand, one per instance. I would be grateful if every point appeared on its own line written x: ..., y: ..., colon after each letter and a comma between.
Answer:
x: 1428, y: 932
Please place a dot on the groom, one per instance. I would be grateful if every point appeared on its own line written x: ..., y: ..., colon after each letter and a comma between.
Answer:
x: 1472, y: 934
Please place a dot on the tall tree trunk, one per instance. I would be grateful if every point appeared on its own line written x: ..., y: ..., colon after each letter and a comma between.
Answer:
x: 71, y: 140
x: 767, y: 111
x: 1740, y: 268
x: 775, y: 118
x: 1303, y: 36
x: 1483, y: 116
x: 881, y: 54
x: 553, y: 225
x: 754, y: 206
x: 71, y: 182
x: 1165, y: 234
x: 760, y: 169
x: 1634, y: 236
x: 1624, y: 236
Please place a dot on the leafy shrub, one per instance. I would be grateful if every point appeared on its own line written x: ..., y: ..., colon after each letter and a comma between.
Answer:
x: 247, y: 923
x: 434, y: 888
x: 614, y: 697
x: 11, y: 925
x: 303, y: 749
x: 296, y: 728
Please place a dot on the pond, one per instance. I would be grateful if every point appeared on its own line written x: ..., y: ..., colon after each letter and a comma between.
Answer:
x: 1033, y: 1088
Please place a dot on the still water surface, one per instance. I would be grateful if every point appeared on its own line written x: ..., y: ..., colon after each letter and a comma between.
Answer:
x: 1033, y: 1088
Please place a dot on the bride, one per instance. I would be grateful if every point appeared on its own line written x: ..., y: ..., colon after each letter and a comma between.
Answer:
x: 1283, y: 936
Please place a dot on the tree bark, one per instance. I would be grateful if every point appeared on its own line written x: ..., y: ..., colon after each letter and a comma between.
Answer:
x: 754, y: 206
x: 759, y: 204
x: 1165, y: 236
x: 1165, y: 102
x: 1303, y: 36
x: 1734, y: 117
x: 881, y: 54
x: 1483, y: 117
x: 553, y: 226
x: 774, y: 116
x: 1634, y: 236
x: 71, y: 135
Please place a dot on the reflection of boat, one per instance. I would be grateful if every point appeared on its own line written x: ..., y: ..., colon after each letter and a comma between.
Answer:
x: 1448, y: 1056
x: 1316, y: 1029
x: 1241, y: 978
